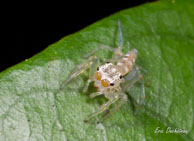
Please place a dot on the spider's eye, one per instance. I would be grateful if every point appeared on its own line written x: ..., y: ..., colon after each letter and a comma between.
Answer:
x: 105, y: 83
x: 121, y: 76
x: 98, y: 76
x: 97, y: 68
x: 112, y: 84
x: 107, y: 62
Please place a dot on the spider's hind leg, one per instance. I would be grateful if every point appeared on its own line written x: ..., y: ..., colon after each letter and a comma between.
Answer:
x: 122, y: 100
x: 117, y: 51
x: 142, y: 97
x: 131, y: 79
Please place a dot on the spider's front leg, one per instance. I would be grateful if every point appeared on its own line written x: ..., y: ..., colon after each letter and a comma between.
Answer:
x: 92, y: 71
x: 80, y: 69
x: 114, y: 97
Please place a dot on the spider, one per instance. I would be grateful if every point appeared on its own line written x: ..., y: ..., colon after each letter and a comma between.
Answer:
x: 108, y: 77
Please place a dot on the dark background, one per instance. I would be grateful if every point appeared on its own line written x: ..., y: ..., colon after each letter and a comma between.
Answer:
x: 35, y: 31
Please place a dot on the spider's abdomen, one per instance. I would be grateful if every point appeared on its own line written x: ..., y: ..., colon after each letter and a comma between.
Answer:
x: 125, y: 65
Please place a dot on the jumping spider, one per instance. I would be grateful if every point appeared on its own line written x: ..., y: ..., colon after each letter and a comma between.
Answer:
x: 107, y: 78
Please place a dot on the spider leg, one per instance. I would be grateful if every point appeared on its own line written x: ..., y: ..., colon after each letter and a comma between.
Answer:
x: 79, y: 69
x: 142, y: 96
x: 148, y: 78
x: 103, y: 107
x: 108, y: 48
x: 87, y: 85
x: 133, y: 77
x: 123, y: 99
x: 104, y: 47
x: 120, y: 35
x: 92, y: 95
x: 91, y: 74
x: 117, y: 51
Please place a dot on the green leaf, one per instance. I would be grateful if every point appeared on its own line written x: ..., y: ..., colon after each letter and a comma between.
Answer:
x: 33, y: 108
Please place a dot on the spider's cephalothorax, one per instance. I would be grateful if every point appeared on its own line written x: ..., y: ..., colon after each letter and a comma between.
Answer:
x: 109, y: 76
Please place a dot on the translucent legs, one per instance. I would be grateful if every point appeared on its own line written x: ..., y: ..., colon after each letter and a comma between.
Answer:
x: 92, y: 95
x: 80, y: 69
x: 117, y: 51
x: 87, y: 85
x: 93, y: 68
x: 123, y: 99
x: 142, y: 98
x: 113, y: 97
x: 131, y: 79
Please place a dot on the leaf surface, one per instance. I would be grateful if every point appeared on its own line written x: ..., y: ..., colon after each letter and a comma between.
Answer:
x: 33, y: 108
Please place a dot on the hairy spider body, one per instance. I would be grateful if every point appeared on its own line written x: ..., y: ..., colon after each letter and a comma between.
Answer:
x: 108, y: 77
x: 126, y: 64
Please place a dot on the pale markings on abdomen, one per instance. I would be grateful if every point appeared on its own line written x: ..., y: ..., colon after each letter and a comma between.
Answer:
x: 125, y: 59
x: 126, y: 69
x: 120, y: 63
